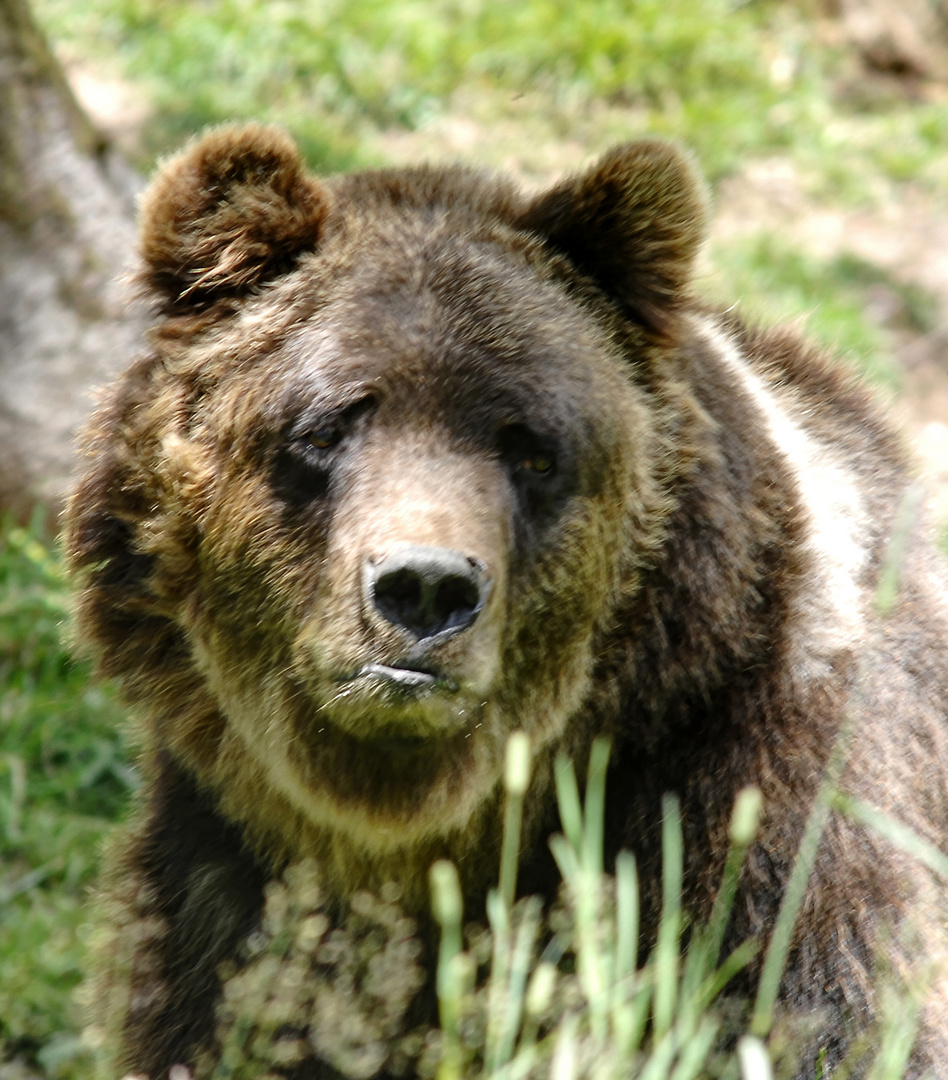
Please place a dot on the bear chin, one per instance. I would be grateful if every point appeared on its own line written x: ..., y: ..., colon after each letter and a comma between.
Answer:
x: 392, y: 775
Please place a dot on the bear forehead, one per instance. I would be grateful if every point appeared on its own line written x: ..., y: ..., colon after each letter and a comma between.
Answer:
x: 462, y: 398
x: 473, y: 324
x: 474, y: 276
x: 469, y: 386
x: 467, y: 196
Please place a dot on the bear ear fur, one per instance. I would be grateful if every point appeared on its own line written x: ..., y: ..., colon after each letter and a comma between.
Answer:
x: 634, y: 223
x: 233, y: 209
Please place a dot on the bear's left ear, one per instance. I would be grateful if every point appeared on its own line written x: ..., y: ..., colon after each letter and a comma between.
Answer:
x: 233, y: 209
x: 634, y: 223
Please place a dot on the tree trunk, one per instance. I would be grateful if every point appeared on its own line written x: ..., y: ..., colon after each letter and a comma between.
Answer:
x: 66, y: 234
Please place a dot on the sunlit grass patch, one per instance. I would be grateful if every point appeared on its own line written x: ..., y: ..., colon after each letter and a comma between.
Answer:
x: 772, y: 280
x: 63, y: 777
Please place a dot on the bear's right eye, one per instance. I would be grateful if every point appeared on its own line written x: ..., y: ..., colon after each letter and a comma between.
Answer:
x: 313, y: 449
x: 326, y: 432
x: 323, y: 438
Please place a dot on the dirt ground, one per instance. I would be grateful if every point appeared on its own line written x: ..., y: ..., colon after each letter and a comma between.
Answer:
x: 904, y: 234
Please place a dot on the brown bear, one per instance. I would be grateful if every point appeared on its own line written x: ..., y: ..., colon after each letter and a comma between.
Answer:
x: 414, y: 460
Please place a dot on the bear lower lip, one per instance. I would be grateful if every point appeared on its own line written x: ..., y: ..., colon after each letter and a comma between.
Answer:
x: 407, y: 679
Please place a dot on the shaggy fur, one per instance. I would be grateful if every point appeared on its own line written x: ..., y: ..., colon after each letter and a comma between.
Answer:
x: 632, y: 517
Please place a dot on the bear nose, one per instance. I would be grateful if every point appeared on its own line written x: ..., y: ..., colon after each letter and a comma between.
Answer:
x: 429, y: 591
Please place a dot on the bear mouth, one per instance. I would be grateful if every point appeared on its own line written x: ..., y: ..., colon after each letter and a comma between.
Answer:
x: 405, y: 707
x: 405, y: 681
x: 382, y: 743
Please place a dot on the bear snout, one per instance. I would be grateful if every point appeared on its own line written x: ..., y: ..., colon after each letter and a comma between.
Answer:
x: 429, y: 593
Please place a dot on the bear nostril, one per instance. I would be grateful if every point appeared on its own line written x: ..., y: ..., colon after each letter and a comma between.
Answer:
x: 428, y: 591
x: 399, y: 592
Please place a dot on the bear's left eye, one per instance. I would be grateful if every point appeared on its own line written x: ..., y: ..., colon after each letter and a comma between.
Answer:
x: 526, y: 452
x: 539, y: 463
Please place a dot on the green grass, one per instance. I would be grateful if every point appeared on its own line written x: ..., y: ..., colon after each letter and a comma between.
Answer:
x: 732, y: 79
x: 63, y: 778
x: 770, y: 280
x: 357, y: 63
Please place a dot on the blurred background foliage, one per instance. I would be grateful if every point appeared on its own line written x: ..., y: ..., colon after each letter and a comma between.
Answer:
x: 63, y: 778
x: 731, y: 78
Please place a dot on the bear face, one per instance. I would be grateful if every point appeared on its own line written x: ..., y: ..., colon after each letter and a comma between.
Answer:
x: 384, y: 472
x: 414, y: 460
x: 403, y: 544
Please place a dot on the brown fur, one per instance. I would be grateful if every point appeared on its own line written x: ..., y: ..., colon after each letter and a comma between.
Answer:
x: 342, y: 368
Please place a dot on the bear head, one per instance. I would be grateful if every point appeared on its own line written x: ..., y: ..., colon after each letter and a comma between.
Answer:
x: 373, y: 497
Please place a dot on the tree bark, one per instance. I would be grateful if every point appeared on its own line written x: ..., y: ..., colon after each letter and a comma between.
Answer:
x: 66, y: 234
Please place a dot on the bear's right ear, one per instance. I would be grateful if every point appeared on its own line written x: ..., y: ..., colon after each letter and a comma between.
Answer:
x: 233, y: 209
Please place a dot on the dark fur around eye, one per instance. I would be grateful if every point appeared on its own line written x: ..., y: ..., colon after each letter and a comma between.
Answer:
x: 530, y: 458
x: 310, y: 449
x: 297, y: 479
